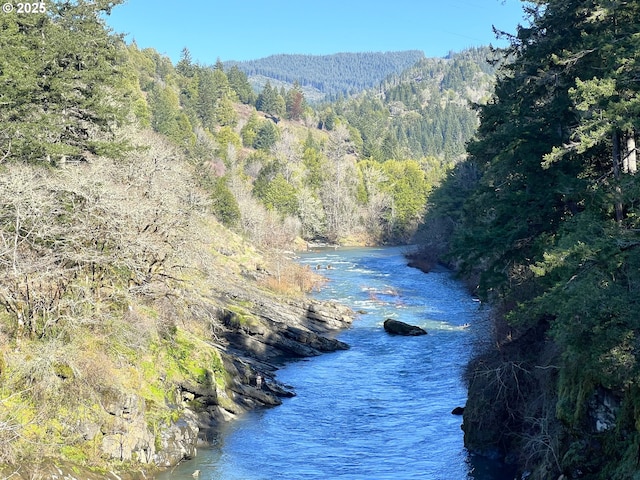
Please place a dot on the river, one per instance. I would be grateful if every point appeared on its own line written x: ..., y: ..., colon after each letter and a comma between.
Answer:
x: 380, y: 410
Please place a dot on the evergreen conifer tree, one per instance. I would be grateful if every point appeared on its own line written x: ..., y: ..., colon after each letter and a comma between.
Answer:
x: 59, y: 83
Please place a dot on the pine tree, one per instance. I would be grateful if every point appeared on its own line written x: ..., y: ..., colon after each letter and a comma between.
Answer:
x: 266, y: 135
x: 266, y: 100
x: 185, y: 65
x: 168, y: 119
x: 270, y: 101
x: 225, y: 112
x: 605, y: 91
x: 239, y: 83
x: 206, y: 98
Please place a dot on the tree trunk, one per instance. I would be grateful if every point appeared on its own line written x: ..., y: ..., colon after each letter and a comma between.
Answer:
x: 616, y: 175
x: 629, y: 162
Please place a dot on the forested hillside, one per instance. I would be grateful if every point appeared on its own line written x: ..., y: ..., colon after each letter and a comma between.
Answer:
x: 147, y: 210
x: 277, y: 169
x: 542, y: 219
x: 355, y: 171
x: 333, y: 75
x: 425, y: 111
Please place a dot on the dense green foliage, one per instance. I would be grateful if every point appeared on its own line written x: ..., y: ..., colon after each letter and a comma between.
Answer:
x: 544, y: 216
x: 61, y: 79
x: 340, y: 73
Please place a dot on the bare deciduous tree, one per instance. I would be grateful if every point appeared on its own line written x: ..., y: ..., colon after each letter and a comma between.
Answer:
x: 73, y: 238
x: 338, y: 192
x: 288, y: 151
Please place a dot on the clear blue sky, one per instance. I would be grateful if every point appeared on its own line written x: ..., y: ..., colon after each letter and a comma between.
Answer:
x: 251, y: 29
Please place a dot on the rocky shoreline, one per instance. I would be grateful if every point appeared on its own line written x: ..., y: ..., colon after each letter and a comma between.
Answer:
x: 252, y: 352
x: 256, y: 332
x: 253, y: 345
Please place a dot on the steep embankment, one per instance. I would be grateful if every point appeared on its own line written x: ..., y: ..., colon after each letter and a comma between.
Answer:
x: 544, y: 217
x: 133, y: 320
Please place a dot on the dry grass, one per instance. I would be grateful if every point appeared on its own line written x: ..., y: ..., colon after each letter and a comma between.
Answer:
x: 293, y: 279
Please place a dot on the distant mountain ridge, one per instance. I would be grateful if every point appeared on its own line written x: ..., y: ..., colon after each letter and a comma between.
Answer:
x: 340, y: 73
x: 425, y: 111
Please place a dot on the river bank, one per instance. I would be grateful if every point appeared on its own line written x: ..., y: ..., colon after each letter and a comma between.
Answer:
x: 382, y: 408
x: 253, y: 342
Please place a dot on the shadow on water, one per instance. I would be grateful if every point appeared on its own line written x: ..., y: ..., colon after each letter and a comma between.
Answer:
x: 380, y: 410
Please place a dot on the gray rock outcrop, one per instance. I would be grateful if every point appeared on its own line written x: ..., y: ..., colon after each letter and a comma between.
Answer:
x: 178, y: 441
x: 604, y: 406
x: 126, y: 435
x: 254, y: 339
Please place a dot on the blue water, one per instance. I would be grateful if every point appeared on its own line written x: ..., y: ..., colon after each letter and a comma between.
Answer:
x: 380, y: 410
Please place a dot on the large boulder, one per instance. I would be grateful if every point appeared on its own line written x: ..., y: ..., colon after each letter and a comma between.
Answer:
x: 396, y: 327
x: 457, y: 411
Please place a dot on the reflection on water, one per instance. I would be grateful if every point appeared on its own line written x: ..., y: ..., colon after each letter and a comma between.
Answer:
x: 380, y: 410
